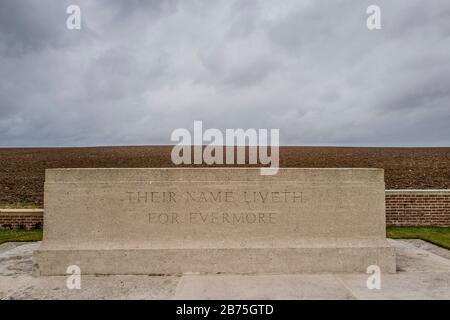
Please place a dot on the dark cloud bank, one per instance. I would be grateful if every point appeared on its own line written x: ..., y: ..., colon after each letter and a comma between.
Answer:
x: 140, y: 69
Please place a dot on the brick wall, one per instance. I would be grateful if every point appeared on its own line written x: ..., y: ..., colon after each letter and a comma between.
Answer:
x: 403, y: 208
x: 418, y: 207
x: 21, y: 218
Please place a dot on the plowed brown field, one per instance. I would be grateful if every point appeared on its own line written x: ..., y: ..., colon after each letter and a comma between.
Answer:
x: 22, y: 169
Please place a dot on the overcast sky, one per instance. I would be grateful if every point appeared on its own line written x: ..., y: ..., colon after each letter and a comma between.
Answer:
x: 137, y: 70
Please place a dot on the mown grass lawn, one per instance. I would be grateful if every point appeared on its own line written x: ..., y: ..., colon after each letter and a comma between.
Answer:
x: 20, y: 235
x: 435, y: 235
x: 20, y: 205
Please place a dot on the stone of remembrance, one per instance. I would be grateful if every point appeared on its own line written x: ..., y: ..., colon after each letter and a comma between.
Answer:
x: 211, y: 220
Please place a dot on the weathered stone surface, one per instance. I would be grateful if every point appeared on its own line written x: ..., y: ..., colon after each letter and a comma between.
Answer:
x: 167, y: 221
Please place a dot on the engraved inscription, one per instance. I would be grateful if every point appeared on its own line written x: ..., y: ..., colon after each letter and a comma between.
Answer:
x: 171, y: 214
x: 232, y: 218
x: 215, y: 197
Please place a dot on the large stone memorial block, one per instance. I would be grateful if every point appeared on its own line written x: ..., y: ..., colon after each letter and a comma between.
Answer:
x: 175, y: 220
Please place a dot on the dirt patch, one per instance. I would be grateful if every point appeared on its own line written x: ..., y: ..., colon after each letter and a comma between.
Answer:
x: 22, y: 170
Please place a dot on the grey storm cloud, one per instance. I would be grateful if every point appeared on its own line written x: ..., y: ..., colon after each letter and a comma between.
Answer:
x: 137, y: 70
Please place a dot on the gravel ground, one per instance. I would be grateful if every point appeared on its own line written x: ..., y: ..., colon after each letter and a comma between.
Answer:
x: 423, y: 272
